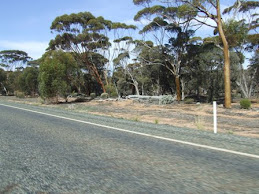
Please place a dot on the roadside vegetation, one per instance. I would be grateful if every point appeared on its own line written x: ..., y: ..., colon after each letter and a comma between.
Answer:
x: 91, y: 56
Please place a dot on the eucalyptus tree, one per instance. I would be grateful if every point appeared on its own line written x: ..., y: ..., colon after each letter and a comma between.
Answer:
x: 205, y: 68
x: 153, y: 74
x: 28, y: 81
x: 57, y: 74
x: 3, y: 78
x: 121, y: 37
x: 242, y: 35
x: 254, y: 66
x: 87, y: 37
x: 11, y: 59
x: 124, y: 61
x: 170, y: 24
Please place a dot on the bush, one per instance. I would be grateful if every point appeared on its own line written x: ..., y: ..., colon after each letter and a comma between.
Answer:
x: 104, y: 95
x: 93, y: 95
x: 188, y: 100
x: 245, y: 103
x: 167, y: 99
x: 114, y: 95
x: 111, y: 90
x: 19, y: 94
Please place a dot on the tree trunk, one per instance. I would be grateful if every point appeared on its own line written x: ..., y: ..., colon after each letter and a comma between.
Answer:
x: 117, y: 91
x: 106, y: 77
x: 135, y: 83
x: 6, y: 92
x: 178, y: 88
x: 98, y: 78
x: 227, y: 82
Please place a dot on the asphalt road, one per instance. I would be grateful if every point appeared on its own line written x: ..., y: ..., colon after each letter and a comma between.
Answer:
x: 40, y: 153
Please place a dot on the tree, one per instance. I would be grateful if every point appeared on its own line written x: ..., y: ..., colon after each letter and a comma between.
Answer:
x: 28, y: 81
x: 87, y: 37
x: 154, y: 77
x: 172, y: 21
x: 3, y: 78
x: 123, y: 61
x: 205, y: 70
x: 242, y: 37
x: 13, y: 58
x: 55, y: 72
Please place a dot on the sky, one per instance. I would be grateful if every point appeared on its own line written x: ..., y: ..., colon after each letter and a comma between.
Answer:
x: 25, y: 24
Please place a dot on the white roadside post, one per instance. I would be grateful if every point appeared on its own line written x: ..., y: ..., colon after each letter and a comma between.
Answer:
x: 215, y: 116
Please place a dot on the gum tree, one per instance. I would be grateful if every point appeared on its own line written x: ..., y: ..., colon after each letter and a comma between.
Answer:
x: 170, y: 25
x: 87, y: 37
x: 13, y: 58
x: 208, y: 10
x: 241, y: 32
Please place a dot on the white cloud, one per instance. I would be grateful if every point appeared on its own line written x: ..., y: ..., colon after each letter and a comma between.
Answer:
x: 35, y: 49
x: 137, y: 23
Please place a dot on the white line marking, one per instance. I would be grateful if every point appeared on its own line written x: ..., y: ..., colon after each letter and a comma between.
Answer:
x: 139, y: 133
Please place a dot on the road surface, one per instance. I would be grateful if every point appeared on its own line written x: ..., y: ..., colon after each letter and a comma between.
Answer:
x: 41, y: 153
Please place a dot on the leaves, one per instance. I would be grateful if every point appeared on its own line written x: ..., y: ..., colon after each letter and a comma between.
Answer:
x: 11, y: 58
x: 140, y: 2
x: 157, y: 9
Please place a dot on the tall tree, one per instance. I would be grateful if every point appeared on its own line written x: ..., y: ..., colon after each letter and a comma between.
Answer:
x: 28, y: 81
x: 13, y: 58
x: 87, y: 37
x: 169, y: 23
x: 242, y: 35
x: 3, y: 78
x: 55, y: 75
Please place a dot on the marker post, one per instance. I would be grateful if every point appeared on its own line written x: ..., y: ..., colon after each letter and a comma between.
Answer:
x: 215, y: 116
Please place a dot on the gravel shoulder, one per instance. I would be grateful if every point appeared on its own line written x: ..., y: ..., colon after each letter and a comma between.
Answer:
x: 222, y: 140
x: 233, y: 121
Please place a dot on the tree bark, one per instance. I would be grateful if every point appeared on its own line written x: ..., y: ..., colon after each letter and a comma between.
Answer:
x: 135, y: 83
x: 227, y: 82
x: 178, y: 89
x: 98, y: 77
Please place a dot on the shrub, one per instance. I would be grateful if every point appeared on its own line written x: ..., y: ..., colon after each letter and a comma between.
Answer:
x: 111, y: 90
x: 93, y: 95
x: 114, y: 94
x: 245, y: 103
x: 104, y: 95
x: 19, y: 94
x: 167, y: 99
x: 80, y: 99
x: 188, y: 100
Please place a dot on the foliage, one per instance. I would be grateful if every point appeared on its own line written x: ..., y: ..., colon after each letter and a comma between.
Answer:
x: 167, y: 99
x: 3, y: 75
x: 13, y: 58
x: 28, y: 81
x: 19, y: 94
x: 156, y: 121
x: 104, y: 95
x: 93, y: 95
x: 188, y: 100
x: 111, y: 90
x: 3, y: 78
x: 86, y: 36
x: 52, y: 76
x: 245, y: 103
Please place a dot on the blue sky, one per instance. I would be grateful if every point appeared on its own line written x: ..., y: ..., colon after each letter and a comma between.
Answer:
x: 25, y: 24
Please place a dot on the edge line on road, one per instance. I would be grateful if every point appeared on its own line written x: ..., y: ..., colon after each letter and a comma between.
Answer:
x: 140, y: 133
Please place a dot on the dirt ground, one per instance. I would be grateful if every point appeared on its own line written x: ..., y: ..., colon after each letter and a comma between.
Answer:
x: 196, y: 116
